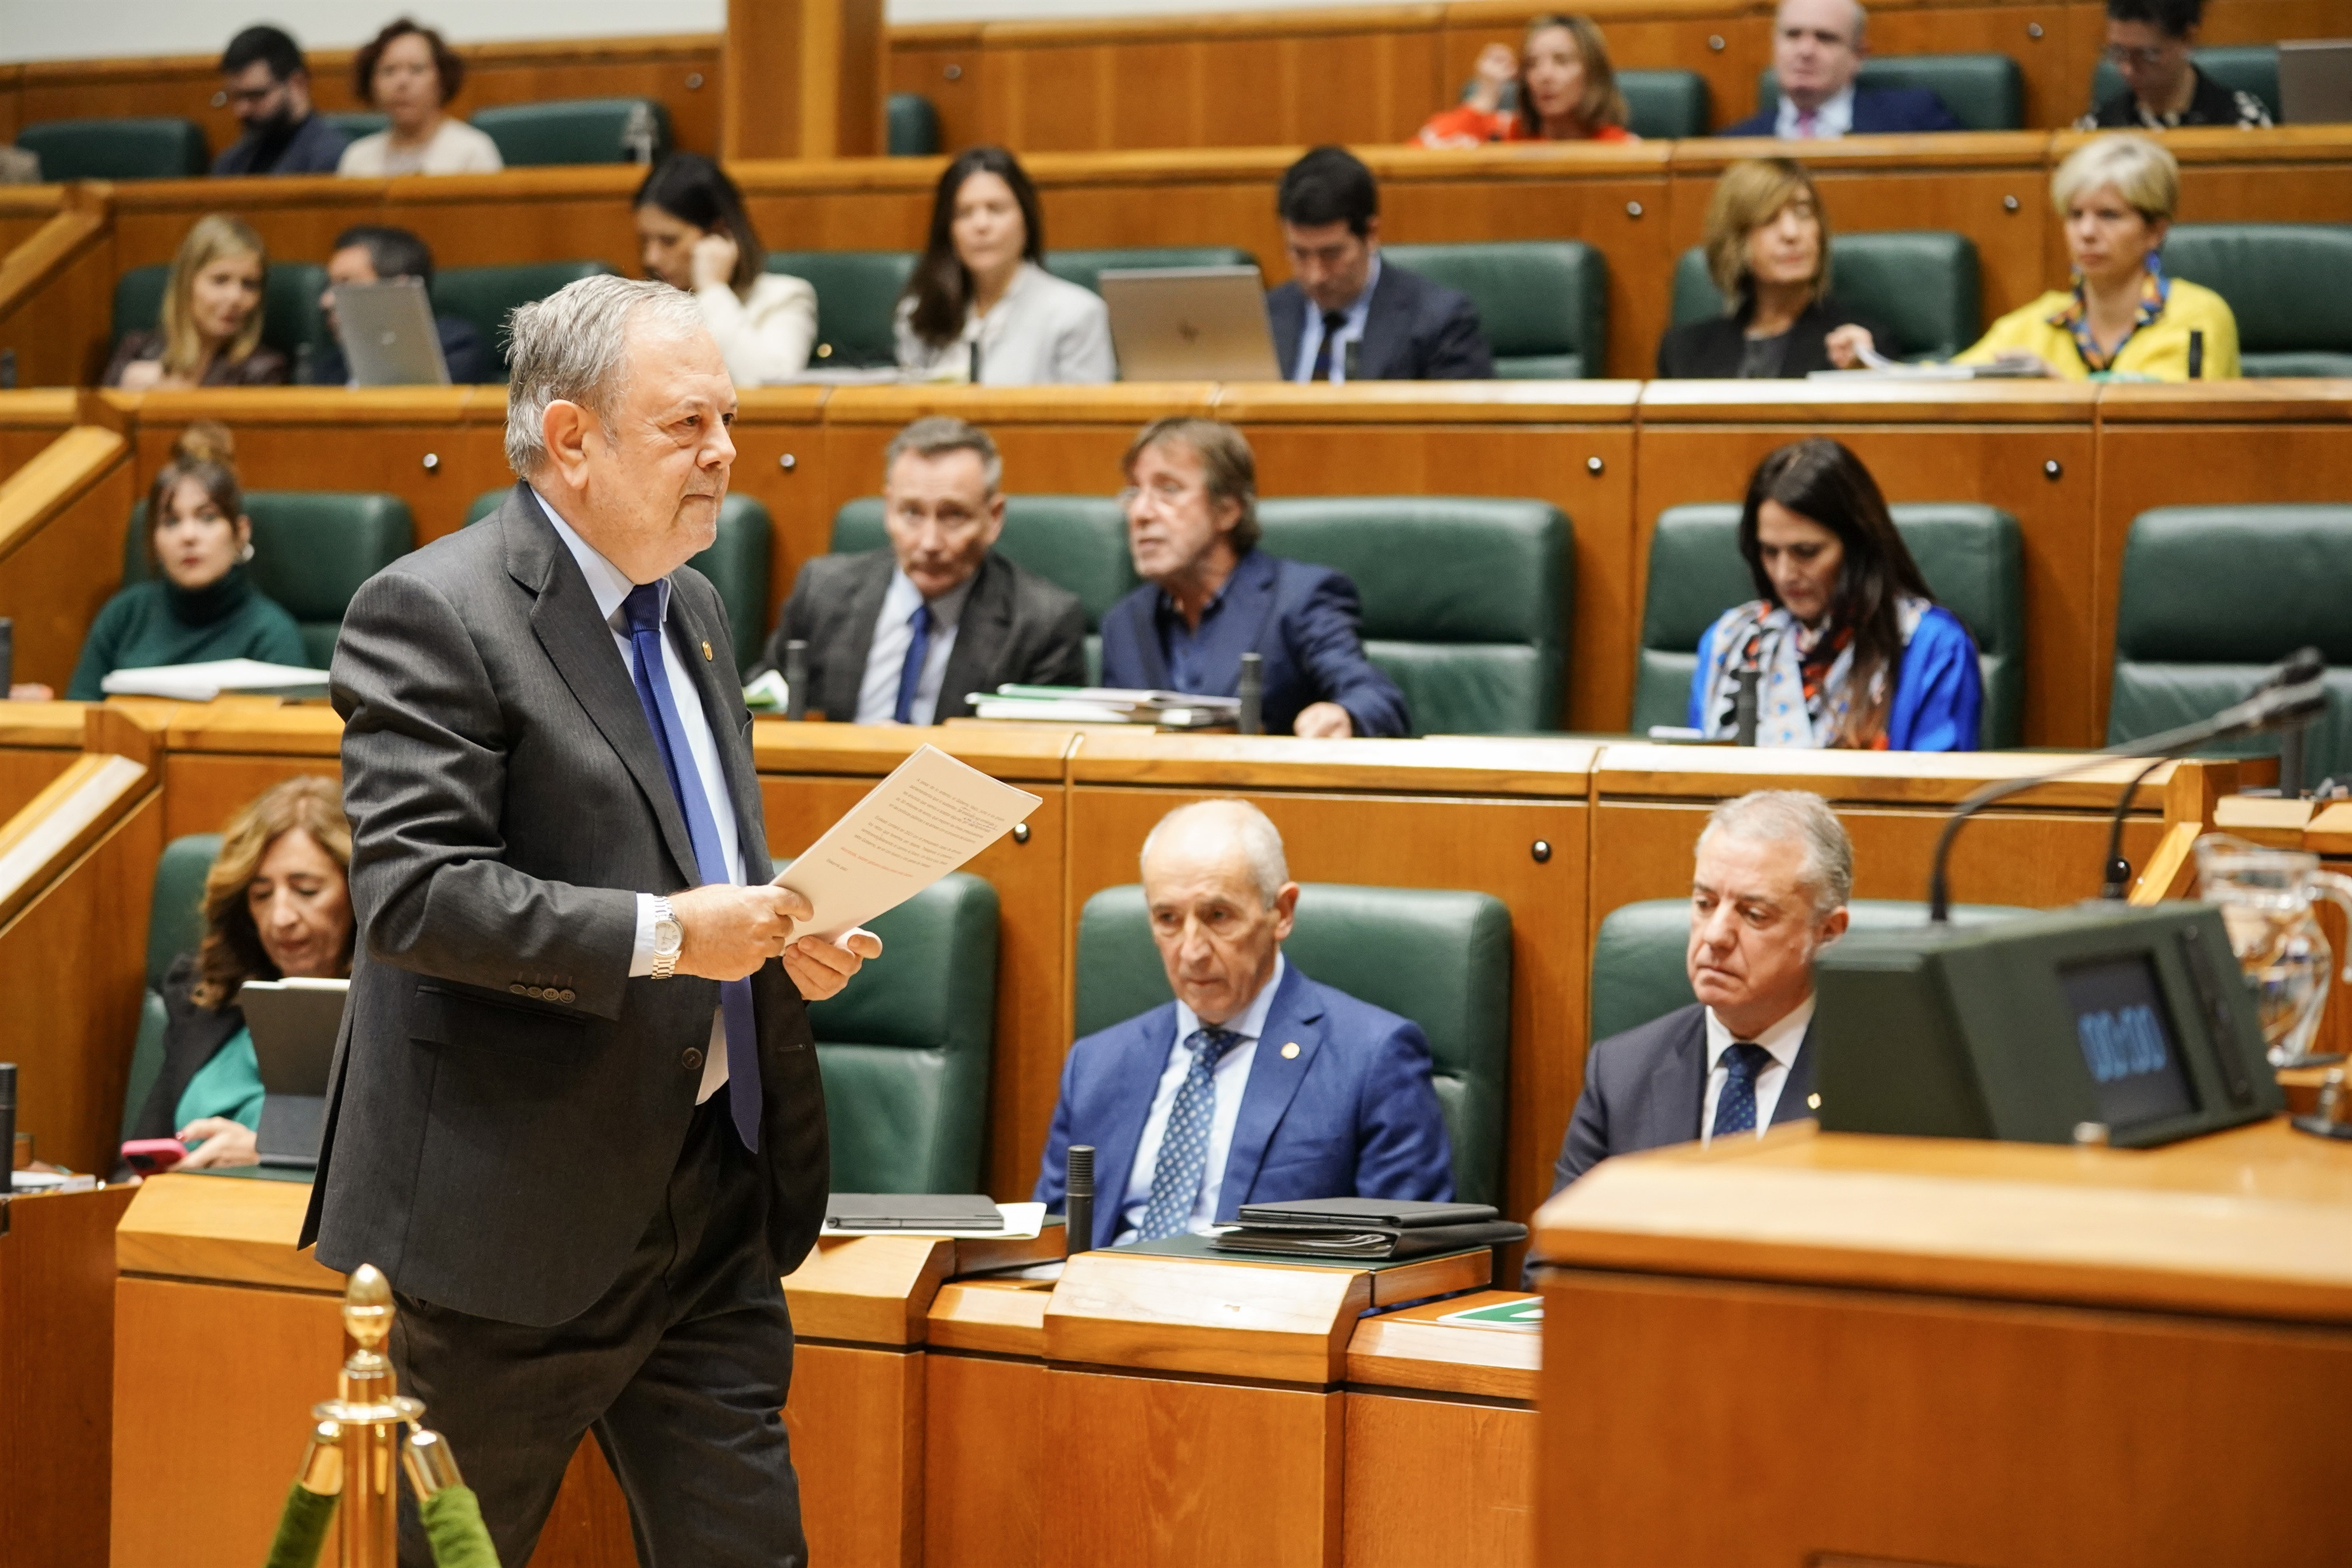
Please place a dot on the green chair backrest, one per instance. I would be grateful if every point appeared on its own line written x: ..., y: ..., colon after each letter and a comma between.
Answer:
x: 487, y: 296
x: 737, y: 564
x: 578, y: 131
x: 1441, y: 959
x: 312, y: 550
x: 1079, y: 542
x: 157, y: 148
x: 1086, y: 268
x: 291, y: 321
x: 1543, y: 305
x: 1921, y: 283
x: 1638, y: 971
x: 2241, y: 68
x: 857, y: 300
x: 1984, y: 92
x: 175, y: 924
x: 2284, y: 283
x: 1971, y: 555
x: 1465, y: 599
x: 905, y: 1060
x: 1665, y: 105
x: 358, y: 122
x: 2212, y: 596
x: 911, y: 126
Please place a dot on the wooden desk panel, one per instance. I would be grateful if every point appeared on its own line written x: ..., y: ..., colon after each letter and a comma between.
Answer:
x: 986, y: 1467
x: 1440, y: 1483
x: 61, y: 521
x: 855, y: 1416
x: 57, y: 292
x: 38, y: 741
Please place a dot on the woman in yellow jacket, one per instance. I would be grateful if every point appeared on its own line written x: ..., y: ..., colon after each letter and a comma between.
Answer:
x: 2123, y: 316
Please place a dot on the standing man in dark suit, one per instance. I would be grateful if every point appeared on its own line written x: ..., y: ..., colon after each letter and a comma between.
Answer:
x: 1255, y: 1084
x: 1347, y: 315
x: 1818, y: 48
x: 576, y: 1114
x: 1770, y: 892
x: 907, y: 634
x: 1211, y: 595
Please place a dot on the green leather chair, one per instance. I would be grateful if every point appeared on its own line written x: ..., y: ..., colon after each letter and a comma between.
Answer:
x: 1666, y: 106
x: 906, y: 1063
x: 737, y: 564
x: 1971, y: 555
x: 911, y: 126
x: 2241, y: 68
x: 487, y: 296
x: 1984, y: 92
x: 1441, y: 959
x: 2292, y: 321
x: 1638, y: 970
x: 176, y: 924
x: 2212, y: 595
x: 291, y: 321
x: 1086, y: 268
x: 1922, y: 283
x: 157, y: 148
x: 1466, y: 599
x: 1542, y: 304
x: 577, y: 131
x: 359, y: 122
x: 857, y: 300
x: 312, y: 550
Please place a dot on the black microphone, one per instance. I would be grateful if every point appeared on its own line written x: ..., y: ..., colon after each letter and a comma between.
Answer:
x: 1743, y: 706
x: 795, y: 678
x: 1249, y: 720
x: 2267, y: 710
x: 1078, y: 1201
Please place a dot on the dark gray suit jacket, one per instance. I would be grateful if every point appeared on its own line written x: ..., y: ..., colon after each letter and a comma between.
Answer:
x: 507, y: 1106
x: 1016, y: 626
x: 1417, y: 330
x: 1643, y: 1089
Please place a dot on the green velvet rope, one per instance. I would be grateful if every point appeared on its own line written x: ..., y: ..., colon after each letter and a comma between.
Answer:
x: 453, y: 1523
x: 301, y: 1529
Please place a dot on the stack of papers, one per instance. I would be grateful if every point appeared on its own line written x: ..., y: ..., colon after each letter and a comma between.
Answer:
x: 203, y: 682
x: 1105, y: 704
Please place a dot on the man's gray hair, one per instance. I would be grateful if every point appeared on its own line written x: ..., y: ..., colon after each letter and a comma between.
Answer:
x: 939, y: 435
x: 572, y: 347
x: 1798, y: 815
x: 1261, y: 842
x: 1860, y: 23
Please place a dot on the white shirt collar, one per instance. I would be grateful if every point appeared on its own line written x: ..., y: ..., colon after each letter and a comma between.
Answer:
x: 898, y: 601
x: 1780, y: 1041
x: 1834, y: 118
x: 608, y: 583
x: 1250, y: 1021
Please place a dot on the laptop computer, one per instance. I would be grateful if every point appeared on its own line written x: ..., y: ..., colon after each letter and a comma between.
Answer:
x: 1189, y: 324
x: 389, y: 336
x: 2314, y: 79
x: 294, y: 1025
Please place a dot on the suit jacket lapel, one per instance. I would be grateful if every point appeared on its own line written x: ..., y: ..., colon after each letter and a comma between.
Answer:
x: 1384, y: 326
x: 1677, y: 1093
x: 982, y: 632
x: 1139, y: 623
x: 720, y: 707
x: 1141, y: 1058
x: 853, y: 639
x: 580, y: 647
x: 1284, y: 312
x: 1244, y: 617
x: 1796, y: 1088
x: 1274, y: 1075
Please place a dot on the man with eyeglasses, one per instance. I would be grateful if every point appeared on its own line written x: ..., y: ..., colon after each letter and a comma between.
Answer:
x: 2148, y: 43
x: 267, y: 85
x: 1818, y: 48
x: 1211, y: 595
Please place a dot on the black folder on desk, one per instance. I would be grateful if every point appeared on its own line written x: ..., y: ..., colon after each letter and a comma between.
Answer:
x: 1366, y: 1228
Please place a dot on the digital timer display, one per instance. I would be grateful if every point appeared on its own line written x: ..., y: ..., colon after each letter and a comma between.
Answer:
x: 2127, y: 1040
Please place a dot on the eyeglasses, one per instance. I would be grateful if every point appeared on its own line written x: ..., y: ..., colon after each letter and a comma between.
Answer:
x: 2119, y: 55
x: 1167, y: 492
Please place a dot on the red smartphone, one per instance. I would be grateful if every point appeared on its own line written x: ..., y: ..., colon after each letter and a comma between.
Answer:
x: 149, y: 1156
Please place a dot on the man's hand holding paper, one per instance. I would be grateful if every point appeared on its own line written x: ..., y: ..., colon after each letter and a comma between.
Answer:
x: 731, y: 931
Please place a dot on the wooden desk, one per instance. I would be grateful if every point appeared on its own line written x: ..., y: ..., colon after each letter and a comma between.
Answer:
x: 62, y: 512
x: 1937, y: 1351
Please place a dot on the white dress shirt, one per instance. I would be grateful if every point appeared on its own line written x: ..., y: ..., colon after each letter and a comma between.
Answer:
x: 453, y: 147
x: 611, y: 585
x: 1230, y: 1078
x: 1044, y: 332
x: 1833, y: 119
x: 1780, y: 1041
x: 1351, y: 330
x: 894, y: 632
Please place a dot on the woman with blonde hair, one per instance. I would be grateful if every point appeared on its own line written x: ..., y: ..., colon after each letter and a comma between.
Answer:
x: 277, y: 906
x: 1567, y: 91
x: 1768, y: 250
x: 210, y: 335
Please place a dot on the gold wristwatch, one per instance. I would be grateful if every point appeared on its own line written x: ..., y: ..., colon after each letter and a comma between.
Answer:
x: 669, y: 937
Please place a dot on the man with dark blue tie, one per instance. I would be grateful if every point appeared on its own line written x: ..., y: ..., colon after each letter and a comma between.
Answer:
x: 1768, y: 893
x: 1255, y: 1084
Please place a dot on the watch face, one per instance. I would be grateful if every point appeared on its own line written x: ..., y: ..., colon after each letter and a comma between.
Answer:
x: 669, y: 936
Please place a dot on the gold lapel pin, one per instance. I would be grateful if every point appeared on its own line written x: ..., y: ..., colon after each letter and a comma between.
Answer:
x: 1290, y: 1051
x: 1813, y: 1102
x: 706, y: 650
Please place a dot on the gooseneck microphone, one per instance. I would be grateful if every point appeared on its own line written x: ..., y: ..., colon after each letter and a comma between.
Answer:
x: 2267, y: 710
x: 1078, y: 1200
x: 1250, y: 720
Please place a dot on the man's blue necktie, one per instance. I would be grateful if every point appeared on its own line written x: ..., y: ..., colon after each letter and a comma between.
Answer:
x: 911, y: 673
x: 643, y: 607
x: 1184, y: 1144
x: 1735, y: 1108
x: 1327, y: 351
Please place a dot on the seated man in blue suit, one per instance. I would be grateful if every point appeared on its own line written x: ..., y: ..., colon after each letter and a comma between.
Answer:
x: 1818, y: 48
x: 1210, y: 596
x: 1768, y: 893
x: 1347, y: 315
x: 1255, y: 1084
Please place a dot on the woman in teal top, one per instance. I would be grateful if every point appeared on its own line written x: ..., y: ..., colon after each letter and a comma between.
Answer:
x: 276, y: 905
x: 203, y: 606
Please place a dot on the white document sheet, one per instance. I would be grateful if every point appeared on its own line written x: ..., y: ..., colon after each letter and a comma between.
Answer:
x: 202, y: 683
x: 932, y: 814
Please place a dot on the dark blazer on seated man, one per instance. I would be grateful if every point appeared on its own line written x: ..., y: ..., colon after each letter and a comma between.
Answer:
x: 1877, y: 112
x: 1410, y: 329
x: 1718, y: 348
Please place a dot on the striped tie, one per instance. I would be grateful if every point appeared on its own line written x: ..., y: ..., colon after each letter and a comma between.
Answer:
x: 1184, y: 1145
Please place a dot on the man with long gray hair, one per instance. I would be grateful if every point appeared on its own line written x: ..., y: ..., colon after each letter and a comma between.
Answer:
x: 575, y: 1115
x: 1768, y: 893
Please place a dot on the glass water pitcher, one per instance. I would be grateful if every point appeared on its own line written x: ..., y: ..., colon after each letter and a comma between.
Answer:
x: 2265, y: 896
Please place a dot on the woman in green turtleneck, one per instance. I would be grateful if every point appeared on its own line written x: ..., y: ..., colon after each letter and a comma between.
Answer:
x: 203, y: 606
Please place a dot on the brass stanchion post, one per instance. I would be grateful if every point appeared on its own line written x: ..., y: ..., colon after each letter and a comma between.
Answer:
x: 369, y: 1413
